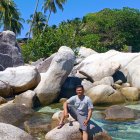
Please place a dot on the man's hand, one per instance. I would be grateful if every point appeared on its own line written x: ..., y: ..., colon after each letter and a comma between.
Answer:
x: 66, y: 115
x: 85, y: 122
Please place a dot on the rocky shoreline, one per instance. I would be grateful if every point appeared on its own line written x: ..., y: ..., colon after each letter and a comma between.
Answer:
x: 109, y: 78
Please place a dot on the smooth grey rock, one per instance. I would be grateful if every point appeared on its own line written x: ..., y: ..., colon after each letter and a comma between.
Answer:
x: 27, y: 99
x: 36, y: 63
x: 125, y: 60
x: 99, y: 69
x: 131, y: 93
x: 5, y: 89
x: 8, y: 46
x: 117, y: 86
x: 6, y: 61
x: 105, y: 94
x: 66, y: 133
x: 85, y: 52
x: 86, y: 84
x: 126, y: 85
x: 105, y: 81
x: 10, y: 132
x: 51, y: 81
x: 119, y: 82
x: 44, y: 65
x: 13, y: 113
x: 134, y: 76
x: 121, y: 113
x: 8, y: 37
x: 21, y: 78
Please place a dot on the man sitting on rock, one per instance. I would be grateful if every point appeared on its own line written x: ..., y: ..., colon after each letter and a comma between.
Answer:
x: 80, y: 107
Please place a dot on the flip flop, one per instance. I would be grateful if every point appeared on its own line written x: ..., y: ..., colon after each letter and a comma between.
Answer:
x: 60, y: 125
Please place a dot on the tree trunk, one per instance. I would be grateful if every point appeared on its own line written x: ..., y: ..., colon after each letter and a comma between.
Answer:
x: 37, y: 2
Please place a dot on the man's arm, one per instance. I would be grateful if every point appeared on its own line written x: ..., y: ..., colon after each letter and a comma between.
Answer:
x: 89, y: 116
x: 65, y: 106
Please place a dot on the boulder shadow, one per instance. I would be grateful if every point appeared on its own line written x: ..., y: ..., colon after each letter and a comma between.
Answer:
x: 118, y: 75
x: 93, y: 129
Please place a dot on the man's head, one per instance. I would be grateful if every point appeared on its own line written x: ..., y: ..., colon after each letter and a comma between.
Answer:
x: 80, y: 90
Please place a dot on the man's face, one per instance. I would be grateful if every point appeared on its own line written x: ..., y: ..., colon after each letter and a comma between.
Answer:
x: 79, y: 91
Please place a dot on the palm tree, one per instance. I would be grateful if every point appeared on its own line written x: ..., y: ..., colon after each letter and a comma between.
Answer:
x: 51, y: 6
x: 37, y: 2
x: 10, y: 16
x: 38, y: 23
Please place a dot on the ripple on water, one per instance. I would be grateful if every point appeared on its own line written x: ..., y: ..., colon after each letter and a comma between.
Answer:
x: 114, y: 127
x: 124, y: 135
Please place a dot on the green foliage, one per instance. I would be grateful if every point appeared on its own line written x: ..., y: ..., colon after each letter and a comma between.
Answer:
x: 107, y: 29
x: 10, y: 16
x: 116, y: 28
x: 38, y: 23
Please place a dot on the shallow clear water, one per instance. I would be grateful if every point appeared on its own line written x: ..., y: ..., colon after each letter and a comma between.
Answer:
x: 129, y: 130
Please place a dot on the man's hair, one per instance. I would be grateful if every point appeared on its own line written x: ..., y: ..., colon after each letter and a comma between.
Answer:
x: 79, y: 86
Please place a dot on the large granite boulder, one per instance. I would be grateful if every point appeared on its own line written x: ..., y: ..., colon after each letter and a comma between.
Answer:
x: 9, y: 50
x: 83, y: 52
x: 27, y: 98
x: 134, y: 75
x: 51, y: 81
x: 10, y: 132
x: 105, y: 94
x: 21, y: 78
x: 44, y: 65
x: 6, y: 60
x: 99, y: 69
x: 121, y: 113
x: 131, y: 93
x: 13, y: 113
x: 5, y: 89
x: 126, y: 60
x: 67, y: 132
x: 105, y: 81
x: 87, y: 84
x: 93, y: 128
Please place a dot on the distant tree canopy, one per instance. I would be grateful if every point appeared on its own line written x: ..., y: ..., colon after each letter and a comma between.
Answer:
x: 115, y: 28
x: 101, y: 31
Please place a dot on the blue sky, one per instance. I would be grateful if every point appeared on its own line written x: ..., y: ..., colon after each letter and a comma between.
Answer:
x: 72, y: 9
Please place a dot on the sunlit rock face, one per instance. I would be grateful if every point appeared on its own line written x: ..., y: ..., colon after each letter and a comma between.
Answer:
x: 10, y: 53
x: 10, y: 132
x: 49, y: 87
x: 20, y: 78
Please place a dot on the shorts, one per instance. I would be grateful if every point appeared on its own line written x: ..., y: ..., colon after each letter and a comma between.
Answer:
x: 75, y: 114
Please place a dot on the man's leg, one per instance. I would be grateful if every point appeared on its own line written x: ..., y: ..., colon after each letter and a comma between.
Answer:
x: 83, y: 128
x: 85, y: 135
x: 62, y: 118
x: 72, y: 111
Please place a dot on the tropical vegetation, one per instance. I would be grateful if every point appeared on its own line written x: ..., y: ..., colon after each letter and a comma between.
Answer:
x: 107, y: 29
x: 101, y: 31
x: 10, y: 17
